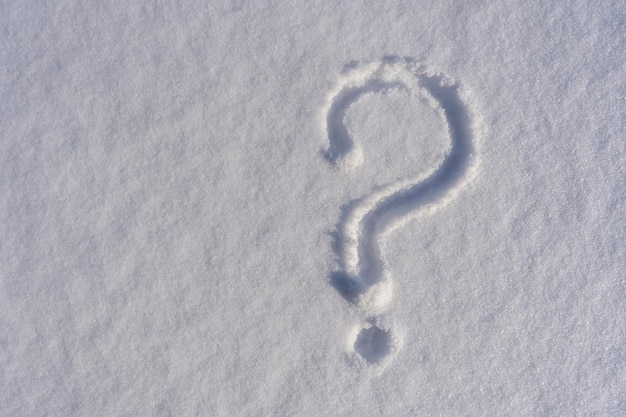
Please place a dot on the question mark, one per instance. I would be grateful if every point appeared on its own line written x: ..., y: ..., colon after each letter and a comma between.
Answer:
x: 363, y: 278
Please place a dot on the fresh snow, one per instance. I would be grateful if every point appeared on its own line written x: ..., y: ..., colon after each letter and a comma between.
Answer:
x: 273, y: 208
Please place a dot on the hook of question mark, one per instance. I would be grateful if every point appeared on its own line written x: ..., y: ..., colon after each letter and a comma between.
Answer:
x: 363, y: 278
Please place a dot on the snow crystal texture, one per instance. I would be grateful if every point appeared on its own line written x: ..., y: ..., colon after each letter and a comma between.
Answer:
x: 291, y: 208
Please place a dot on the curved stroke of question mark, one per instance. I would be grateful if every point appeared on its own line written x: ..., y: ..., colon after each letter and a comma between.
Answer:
x: 364, y: 279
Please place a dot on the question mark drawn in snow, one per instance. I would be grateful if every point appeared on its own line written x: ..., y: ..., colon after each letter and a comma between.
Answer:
x: 363, y: 277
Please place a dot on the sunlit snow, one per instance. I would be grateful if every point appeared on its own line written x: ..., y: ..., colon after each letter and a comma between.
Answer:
x: 291, y: 208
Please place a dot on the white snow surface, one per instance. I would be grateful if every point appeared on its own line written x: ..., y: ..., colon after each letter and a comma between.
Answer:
x: 312, y: 208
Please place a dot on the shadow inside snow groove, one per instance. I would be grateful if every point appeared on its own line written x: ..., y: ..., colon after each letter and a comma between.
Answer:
x: 364, y: 220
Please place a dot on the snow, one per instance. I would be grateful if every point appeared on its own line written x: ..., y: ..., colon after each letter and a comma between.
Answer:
x: 312, y: 208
